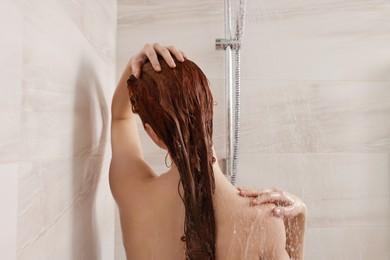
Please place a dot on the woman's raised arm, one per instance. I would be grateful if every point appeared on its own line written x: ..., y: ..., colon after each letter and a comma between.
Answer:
x: 127, y: 159
x: 120, y: 108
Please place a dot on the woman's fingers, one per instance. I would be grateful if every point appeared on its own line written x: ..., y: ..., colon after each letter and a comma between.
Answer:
x: 249, y: 193
x: 273, y: 197
x: 255, y: 193
x: 135, y: 71
x: 288, y: 212
x: 165, y: 53
x: 286, y: 204
x: 152, y: 56
x: 136, y: 65
x: 291, y: 211
x: 176, y: 52
x: 151, y: 52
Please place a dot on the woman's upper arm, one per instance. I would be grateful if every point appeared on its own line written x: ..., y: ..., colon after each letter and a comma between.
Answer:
x: 276, y: 242
x: 127, y: 158
x: 272, y: 234
x: 125, y: 141
x: 127, y: 165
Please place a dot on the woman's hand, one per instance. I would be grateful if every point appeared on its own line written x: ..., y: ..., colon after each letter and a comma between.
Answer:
x: 291, y: 209
x: 287, y: 205
x: 150, y: 51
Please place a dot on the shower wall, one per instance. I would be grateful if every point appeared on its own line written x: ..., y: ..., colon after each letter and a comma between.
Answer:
x: 57, y: 78
x: 316, y: 117
x: 315, y: 106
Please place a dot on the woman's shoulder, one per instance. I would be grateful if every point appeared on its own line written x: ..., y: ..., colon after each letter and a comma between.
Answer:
x: 265, y: 232
x: 271, y: 233
x: 128, y: 178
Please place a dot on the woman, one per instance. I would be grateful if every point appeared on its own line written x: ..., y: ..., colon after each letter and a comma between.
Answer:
x: 191, y: 211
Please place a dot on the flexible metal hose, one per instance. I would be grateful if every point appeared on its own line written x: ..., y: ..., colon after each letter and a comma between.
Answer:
x: 239, y: 30
x: 237, y: 114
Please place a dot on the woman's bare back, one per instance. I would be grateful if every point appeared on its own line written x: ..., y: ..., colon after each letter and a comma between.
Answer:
x: 153, y: 223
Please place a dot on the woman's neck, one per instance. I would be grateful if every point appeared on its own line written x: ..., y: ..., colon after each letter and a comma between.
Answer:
x: 223, y: 186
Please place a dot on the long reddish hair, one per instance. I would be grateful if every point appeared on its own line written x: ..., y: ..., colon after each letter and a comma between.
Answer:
x: 178, y: 105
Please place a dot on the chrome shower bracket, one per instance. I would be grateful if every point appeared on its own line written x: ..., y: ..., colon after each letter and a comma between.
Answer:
x: 222, y: 44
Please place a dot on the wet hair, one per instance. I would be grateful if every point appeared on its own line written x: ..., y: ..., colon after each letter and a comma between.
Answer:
x: 178, y: 105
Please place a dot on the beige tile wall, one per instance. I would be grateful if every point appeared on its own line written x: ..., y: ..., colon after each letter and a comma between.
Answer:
x: 9, y: 209
x: 57, y: 75
x: 315, y: 106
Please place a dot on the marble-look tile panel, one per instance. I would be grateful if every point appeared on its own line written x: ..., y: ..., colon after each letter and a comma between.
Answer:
x: 75, y: 124
x: 341, y: 243
x: 191, y: 26
x: 66, y: 88
x: 120, y: 253
x: 56, y: 51
x: 316, y: 40
x: 75, y: 189
x: 55, y: 242
x: 168, y: 12
x: 8, y: 210
x: 154, y: 2
x: 103, y: 212
x: 38, y: 251
x: 65, y: 206
x: 314, y: 116
x: 86, y: 15
x: 121, y: 3
x: 11, y: 51
x: 338, y: 189
x: 31, y: 206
